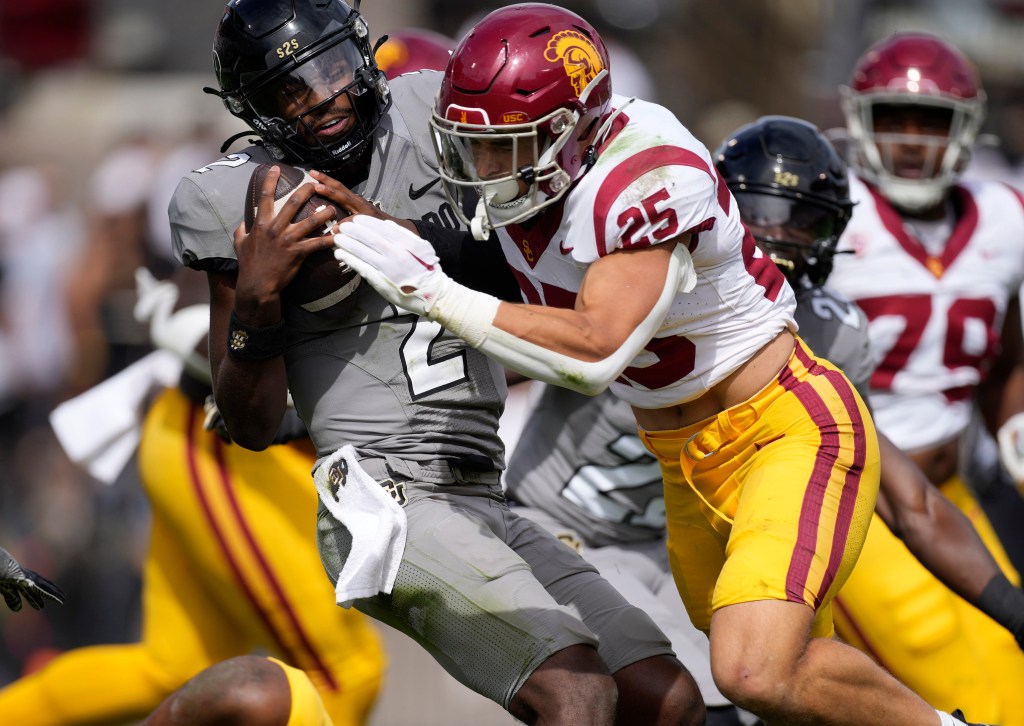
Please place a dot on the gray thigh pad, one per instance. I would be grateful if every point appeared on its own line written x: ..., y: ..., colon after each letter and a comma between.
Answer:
x: 464, y: 594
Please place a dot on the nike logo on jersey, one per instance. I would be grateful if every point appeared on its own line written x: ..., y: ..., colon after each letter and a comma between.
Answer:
x: 563, y: 249
x: 417, y: 193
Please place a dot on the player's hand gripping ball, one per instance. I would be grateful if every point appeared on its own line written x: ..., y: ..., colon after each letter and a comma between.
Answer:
x: 322, y: 282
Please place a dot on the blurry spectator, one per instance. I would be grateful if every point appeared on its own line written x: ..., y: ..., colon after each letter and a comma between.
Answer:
x: 196, y: 149
x: 38, y: 237
x: 101, y: 291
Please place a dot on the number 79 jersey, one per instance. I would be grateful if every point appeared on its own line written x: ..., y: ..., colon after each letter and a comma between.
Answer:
x: 935, y: 321
x: 652, y: 182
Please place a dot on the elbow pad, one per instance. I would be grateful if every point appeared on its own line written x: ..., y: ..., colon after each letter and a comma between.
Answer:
x: 470, y: 315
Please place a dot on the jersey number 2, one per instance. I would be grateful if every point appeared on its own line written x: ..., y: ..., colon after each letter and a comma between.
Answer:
x: 426, y: 372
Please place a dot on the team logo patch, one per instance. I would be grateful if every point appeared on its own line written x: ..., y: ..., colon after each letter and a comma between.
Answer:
x: 786, y: 179
x: 337, y: 477
x: 578, y: 55
x: 571, y: 541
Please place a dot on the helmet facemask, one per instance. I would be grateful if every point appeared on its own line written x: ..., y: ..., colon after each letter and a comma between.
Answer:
x: 330, y: 82
x: 799, y: 235
x: 525, y: 167
x: 945, y: 156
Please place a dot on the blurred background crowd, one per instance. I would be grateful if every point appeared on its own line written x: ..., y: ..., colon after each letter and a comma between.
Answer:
x: 102, y: 111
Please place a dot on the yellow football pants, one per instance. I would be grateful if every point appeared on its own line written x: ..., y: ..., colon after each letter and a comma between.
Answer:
x: 232, y: 568
x: 942, y: 647
x: 771, y: 499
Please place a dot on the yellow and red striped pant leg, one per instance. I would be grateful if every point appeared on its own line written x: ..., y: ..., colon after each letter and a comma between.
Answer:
x: 771, y: 499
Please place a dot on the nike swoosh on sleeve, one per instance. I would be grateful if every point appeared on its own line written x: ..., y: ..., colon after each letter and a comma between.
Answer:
x: 417, y: 193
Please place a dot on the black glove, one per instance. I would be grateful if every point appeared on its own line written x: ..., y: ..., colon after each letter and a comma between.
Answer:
x: 17, y: 582
x: 1004, y: 603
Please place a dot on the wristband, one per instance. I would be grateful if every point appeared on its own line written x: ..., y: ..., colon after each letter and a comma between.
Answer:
x: 252, y: 343
x: 1004, y: 603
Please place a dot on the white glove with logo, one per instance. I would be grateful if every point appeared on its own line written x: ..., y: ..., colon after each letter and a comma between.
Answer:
x: 400, y: 265
x: 1011, y: 446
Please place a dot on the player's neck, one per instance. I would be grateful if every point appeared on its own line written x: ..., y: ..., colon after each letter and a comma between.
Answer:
x: 943, y: 210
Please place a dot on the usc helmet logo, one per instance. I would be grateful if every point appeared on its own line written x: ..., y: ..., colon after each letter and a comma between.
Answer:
x: 579, y: 57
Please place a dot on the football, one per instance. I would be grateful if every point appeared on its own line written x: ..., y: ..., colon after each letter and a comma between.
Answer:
x: 322, y: 281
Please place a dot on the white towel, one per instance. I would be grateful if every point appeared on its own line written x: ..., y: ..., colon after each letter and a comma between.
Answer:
x: 99, y: 429
x: 375, y: 520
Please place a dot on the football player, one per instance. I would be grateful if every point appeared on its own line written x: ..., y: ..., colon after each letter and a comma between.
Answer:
x: 581, y: 470
x: 792, y: 192
x: 248, y: 690
x: 231, y: 565
x: 936, y: 263
x: 640, y: 276
x: 494, y: 598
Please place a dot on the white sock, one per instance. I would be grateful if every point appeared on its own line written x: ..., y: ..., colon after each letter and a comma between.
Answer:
x: 946, y: 720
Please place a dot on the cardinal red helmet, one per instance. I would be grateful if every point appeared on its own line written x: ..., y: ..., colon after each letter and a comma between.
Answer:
x: 519, y: 111
x: 913, y: 69
x: 412, y: 49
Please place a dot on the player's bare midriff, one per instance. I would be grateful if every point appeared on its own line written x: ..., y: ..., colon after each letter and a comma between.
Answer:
x: 736, y: 388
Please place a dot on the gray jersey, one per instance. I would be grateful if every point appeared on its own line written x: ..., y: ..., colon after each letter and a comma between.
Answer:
x: 369, y: 375
x: 579, y: 458
x: 836, y: 329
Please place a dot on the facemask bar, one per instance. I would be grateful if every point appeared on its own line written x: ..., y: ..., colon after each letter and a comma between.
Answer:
x: 261, y: 101
x: 912, y: 195
x: 532, y: 163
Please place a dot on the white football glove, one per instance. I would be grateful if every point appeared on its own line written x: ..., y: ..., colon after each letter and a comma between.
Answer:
x: 400, y: 265
x: 1011, y: 446
x: 18, y: 582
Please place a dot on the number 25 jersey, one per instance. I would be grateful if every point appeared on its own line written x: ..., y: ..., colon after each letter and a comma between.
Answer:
x: 652, y: 182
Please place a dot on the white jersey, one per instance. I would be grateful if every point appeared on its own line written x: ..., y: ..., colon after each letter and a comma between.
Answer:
x: 935, y: 321
x: 653, y: 181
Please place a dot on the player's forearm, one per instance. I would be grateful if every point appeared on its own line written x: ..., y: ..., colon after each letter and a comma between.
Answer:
x: 946, y: 543
x: 252, y: 398
x: 934, y: 530
x: 249, y: 380
x: 583, y: 349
